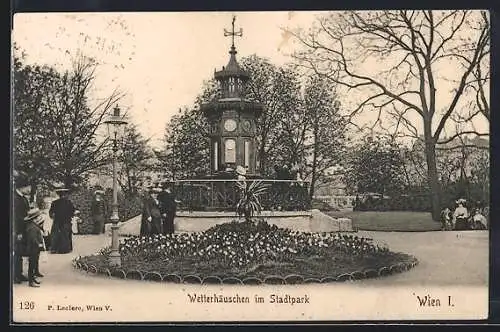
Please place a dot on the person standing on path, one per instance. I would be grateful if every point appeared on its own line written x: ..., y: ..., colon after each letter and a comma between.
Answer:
x: 34, y: 244
x: 99, y: 211
x: 61, y: 211
x: 21, y: 207
x: 168, y: 208
x: 151, y: 222
x: 460, y: 216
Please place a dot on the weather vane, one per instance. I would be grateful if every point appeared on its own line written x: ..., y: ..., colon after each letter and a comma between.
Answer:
x: 233, y: 33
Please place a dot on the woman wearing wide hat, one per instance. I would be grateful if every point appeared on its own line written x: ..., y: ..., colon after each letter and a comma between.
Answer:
x: 34, y: 244
x: 61, y: 211
x: 461, y: 215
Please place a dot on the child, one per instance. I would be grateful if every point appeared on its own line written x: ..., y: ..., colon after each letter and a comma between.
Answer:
x: 446, y: 222
x: 75, y: 222
x: 34, y: 244
x: 479, y: 221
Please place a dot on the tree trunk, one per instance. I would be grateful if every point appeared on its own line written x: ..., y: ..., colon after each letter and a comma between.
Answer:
x: 33, y: 192
x: 314, y: 164
x: 432, y: 178
x: 129, y: 180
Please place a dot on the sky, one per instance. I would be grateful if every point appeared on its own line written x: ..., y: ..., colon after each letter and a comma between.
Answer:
x: 160, y: 60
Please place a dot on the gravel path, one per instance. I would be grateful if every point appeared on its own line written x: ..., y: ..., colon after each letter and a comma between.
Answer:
x: 453, y: 263
x: 445, y: 258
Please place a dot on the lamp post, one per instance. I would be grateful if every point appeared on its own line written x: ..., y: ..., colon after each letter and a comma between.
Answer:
x: 115, y: 124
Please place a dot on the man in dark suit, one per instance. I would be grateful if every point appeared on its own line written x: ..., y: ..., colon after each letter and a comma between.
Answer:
x: 168, y: 207
x: 21, y: 208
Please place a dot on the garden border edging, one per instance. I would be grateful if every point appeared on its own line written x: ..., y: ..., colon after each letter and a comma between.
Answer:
x: 291, y: 279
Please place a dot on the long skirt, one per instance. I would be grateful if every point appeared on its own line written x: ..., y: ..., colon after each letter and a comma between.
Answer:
x: 461, y: 224
x: 156, y: 226
x: 61, y: 238
x: 151, y: 227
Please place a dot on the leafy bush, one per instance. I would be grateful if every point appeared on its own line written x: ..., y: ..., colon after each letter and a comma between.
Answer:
x: 249, y: 199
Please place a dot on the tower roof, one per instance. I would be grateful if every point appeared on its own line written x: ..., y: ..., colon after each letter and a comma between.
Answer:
x: 232, y: 69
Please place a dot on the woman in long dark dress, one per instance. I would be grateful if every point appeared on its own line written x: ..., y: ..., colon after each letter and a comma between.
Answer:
x: 151, y: 222
x: 61, y: 211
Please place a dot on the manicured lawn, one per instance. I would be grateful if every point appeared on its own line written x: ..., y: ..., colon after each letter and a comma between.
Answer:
x: 390, y: 221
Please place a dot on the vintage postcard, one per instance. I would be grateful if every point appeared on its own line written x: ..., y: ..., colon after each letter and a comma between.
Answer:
x: 250, y: 166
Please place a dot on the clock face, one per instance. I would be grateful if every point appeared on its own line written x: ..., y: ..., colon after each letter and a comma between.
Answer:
x: 230, y: 125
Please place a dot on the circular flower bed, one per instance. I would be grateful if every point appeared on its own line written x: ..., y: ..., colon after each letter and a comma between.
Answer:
x: 248, y: 252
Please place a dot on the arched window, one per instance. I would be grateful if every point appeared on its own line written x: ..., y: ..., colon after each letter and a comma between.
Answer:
x: 231, y: 85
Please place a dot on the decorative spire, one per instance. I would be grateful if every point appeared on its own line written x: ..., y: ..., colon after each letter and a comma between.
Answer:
x: 233, y: 33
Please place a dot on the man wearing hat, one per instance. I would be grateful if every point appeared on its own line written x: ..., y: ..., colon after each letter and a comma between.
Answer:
x: 34, y: 244
x: 168, y: 207
x: 21, y: 207
x: 99, y: 211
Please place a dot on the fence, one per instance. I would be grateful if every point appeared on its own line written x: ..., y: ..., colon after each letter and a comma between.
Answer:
x: 338, y: 201
x: 223, y: 195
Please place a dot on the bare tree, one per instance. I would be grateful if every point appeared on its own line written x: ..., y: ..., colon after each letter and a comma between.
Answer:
x: 75, y: 120
x: 390, y: 61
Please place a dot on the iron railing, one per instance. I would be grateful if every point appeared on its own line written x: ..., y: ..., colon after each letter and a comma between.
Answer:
x: 223, y: 195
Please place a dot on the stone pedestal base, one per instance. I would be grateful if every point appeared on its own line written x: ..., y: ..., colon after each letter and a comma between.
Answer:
x: 305, y: 221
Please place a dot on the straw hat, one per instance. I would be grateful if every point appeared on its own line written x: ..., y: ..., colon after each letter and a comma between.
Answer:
x: 34, y: 215
x: 61, y: 190
x: 240, y: 170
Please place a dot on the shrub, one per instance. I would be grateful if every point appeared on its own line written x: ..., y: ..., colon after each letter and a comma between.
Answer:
x: 415, y: 203
x: 249, y: 200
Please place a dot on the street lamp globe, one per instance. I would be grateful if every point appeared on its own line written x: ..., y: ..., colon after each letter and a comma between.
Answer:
x: 116, y: 124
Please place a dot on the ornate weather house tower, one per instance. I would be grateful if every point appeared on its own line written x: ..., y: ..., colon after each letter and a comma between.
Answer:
x: 232, y: 118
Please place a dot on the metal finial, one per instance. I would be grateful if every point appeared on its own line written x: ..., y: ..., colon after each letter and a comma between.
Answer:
x: 233, y: 33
